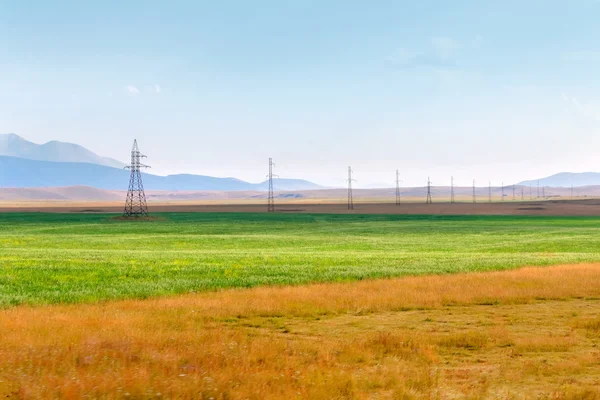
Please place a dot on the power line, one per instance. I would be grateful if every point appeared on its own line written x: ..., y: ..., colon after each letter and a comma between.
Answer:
x: 135, y: 203
x: 451, y: 189
x: 271, y: 200
x: 428, y: 200
x: 522, y: 195
x: 350, y: 199
x: 397, y: 188
x: 530, y: 198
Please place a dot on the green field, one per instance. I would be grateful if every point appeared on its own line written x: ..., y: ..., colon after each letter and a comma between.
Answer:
x: 70, y: 258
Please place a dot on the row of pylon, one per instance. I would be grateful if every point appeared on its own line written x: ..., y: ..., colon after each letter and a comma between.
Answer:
x: 136, y: 205
x: 428, y: 198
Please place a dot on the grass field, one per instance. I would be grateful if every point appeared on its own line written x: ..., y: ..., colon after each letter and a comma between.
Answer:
x: 71, y: 258
x: 530, y: 333
x: 458, y: 330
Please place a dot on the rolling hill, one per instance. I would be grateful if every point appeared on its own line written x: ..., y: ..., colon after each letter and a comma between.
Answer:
x: 566, y: 179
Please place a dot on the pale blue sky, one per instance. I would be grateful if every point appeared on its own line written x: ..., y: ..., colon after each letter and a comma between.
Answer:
x: 492, y: 90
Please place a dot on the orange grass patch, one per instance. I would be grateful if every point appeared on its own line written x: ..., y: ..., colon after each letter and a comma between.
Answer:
x: 527, y: 333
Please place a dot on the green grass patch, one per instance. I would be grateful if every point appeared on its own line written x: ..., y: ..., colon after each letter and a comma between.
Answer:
x: 70, y: 258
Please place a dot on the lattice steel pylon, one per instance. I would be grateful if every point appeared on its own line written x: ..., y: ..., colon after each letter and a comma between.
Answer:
x: 271, y: 200
x: 451, y: 190
x: 428, y: 200
x: 398, y: 188
x: 530, y: 195
x: 489, y: 192
x: 135, y: 204
x: 350, y: 198
x: 522, y: 194
x: 474, y: 195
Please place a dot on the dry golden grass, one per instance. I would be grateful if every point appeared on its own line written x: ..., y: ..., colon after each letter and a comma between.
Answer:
x: 528, y: 333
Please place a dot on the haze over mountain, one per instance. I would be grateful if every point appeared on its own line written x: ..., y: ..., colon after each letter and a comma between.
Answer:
x: 15, y: 146
x: 566, y: 179
x: 24, y: 164
x: 22, y: 173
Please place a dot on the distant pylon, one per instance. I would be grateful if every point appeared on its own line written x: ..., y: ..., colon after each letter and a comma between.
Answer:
x: 502, y: 191
x: 571, y: 190
x: 271, y: 199
x: 489, y: 192
x: 428, y: 200
x: 397, y: 188
x: 350, y: 198
x: 538, y: 189
x: 530, y: 195
x: 135, y: 203
x: 522, y: 195
x: 452, y: 189
x: 514, y: 193
x: 474, y: 196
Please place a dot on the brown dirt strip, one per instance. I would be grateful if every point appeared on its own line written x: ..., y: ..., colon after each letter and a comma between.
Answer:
x: 555, y: 208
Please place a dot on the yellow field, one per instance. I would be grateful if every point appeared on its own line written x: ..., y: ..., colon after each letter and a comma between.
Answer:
x: 528, y: 333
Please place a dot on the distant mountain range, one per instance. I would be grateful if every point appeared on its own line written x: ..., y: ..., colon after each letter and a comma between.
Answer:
x: 24, y: 164
x: 566, y: 179
x: 21, y: 173
x: 15, y: 146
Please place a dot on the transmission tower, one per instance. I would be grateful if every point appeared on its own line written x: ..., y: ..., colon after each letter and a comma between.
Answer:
x: 474, y: 197
x: 530, y: 195
x: 451, y: 189
x: 271, y: 199
x: 538, y: 189
x: 350, y: 199
x: 513, y: 193
x: 397, y: 188
x: 522, y: 195
x: 571, y: 190
x: 502, y: 191
x: 489, y: 192
x: 135, y: 204
x: 428, y: 200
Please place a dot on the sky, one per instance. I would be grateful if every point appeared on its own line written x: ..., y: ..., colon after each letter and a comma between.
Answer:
x: 498, y: 91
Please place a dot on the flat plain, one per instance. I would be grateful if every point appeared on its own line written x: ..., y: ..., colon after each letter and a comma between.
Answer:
x: 531, y: 333
x: 71, y: 258
x: 298, y: 305
x: 384, y: 205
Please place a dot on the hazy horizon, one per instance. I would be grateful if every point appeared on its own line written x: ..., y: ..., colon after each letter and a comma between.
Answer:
x: 500, y: 92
